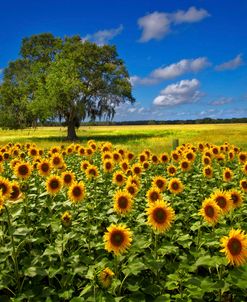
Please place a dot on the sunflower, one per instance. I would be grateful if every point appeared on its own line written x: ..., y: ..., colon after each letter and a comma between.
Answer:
x: 133, y: 179
x: 1, y: 202
x: 210, y: 211
x: 242, y: 157
x: 57, y: 161
x: 206, y: 160
x: 171, y: 170
x: 124, y: 165
x: 118, y: 178
x: 215, y: 150
x: 131, y: 188
x: 122, y: 202
x: 136, y: 169
x: 145, y: 165
x: 231, y: 155
x: 66, y: 219
x: 142, y: 157
x: 222, y: 198
x: 153, y: 194
x: 130, y: 156
x: 154, y: 159
x: 53, y: 184
x: 84, y: 165
x: 15, y: 192
x: 6, y: 155
x: 227, y: 174
x: 105, y: 277
x: 14, y: 162
x: 33, y: 151
x: 159, y: 182
x: 44, y: 167
x: 89, y: 151
x: 76, y: 192
x: 23, y: 170
x: 243, y: 185
x: 236, y: 198
x: 107, y: 155
x: 244, y: 168
x: 92, y: 172
x: 185, y: 165
x: 175, y: 186
x: 1, y: 168
x: 68, y: 178
x: 190, y: 155
x: 5, y: 187
x: 160, y: 216
x: 106, y: 147
x: 108, y: 165
x: 117, y: 239
x: 208, y: 171
x: 175, y: 156
x: 164, y: 158
x: 55, y: 149
x: 81, y: 151
x: 235, y: 247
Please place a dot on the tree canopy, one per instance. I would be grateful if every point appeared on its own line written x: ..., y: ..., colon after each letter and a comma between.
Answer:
x: 67, y: 78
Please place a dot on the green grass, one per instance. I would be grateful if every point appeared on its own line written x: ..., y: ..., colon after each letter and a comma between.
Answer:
x: 157, y: 138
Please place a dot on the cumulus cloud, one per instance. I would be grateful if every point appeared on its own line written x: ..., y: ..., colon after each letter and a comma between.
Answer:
x: 102, y: 37
x: 221, y: 101
x: 232, y: 64
x: 172, y: 71
x: 185, y: 91
x: 158, y: 24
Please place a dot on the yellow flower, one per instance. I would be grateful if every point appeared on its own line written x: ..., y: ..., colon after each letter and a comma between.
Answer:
x: 66, y: 219
x: 235, y: 247
x: 185, y: 165
x: 118, y: 178
x: 243, y: 185
x: 92, y: 172
x: 108, y: 165
x: 44, y: 168
x: 131, y: 188
x: 175, y: 186
x: 164, y: 158
x: 160, y: 216
x: 117, y: 239
x: 68, y: 178
x: 122, y: 202
x: 236, y: 198
x: 171, y: 170
x: 222, y: 198
x: 244, y: 168
x: 210, y: 211
x: 105, y: 277
x: 53, y: 184
x: 153, y: 194
x: 208, y: 171
x: 159, y: 182
x: 15, y: 193
x: 76, y: 192
x: 136, y: 169
x: 23, y: 170
x: 242, y: 157
x: 227, y: 174
x: 5, y: 187
x: 84, y: 165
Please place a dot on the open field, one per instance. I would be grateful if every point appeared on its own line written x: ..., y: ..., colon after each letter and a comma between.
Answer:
x: 157, y: 138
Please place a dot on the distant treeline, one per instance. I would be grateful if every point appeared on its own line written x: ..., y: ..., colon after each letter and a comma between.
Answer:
x: 207, y: 120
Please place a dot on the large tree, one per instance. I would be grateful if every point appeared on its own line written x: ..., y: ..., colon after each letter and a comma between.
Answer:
x: 64, y: 78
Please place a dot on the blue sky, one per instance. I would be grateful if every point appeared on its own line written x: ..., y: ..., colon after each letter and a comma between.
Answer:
x: 186, y: 59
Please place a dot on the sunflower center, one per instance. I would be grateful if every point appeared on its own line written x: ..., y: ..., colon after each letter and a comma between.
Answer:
x: 159, y: 215
x: 131, y: 190
x: 125, y: 166
x: 244, y: 184
x: 172, y: 170
x: 23, y: 170
x: 54, y: 184
x: 208, y: 171
x: 33, y: 152
x: 221, y: 201
x: 15, y: 192
x: 137, y: 170
x: 108, y: 166
x: 160, y: 183
x: 189, y: 156
x: 185, y: 165
x: 77, y: 191
x: 142, y: 158
x: 154, y: 196
x: 122, y: 202
x: 227, y: 175
x: 175, y: 156
x: 45, y: 167
x: 209, y: 211
x: 119, y: 177
x: 92, y: 172
x: 154, y: 159
x: 234, y: 198
x: 175, y: 185
x: 117, y: 238
x: 3, y: 187
x: 206, y: 161
x: 56, y: 160
x: 234, y: 246
x: 67, y: 178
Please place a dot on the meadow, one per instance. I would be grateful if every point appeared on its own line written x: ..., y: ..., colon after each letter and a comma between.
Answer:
x: 121, y: 216
x: 156, y: 137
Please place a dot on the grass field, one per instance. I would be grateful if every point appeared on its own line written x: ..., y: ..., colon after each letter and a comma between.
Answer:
x: 157, y: 138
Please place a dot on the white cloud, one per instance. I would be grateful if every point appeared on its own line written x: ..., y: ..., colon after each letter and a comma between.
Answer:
x: 158, y: 24
x: 221, y: 101
x: 190, y: 16
x: 1, y: 71
x: 232, y: 64
x: 185, y: 91
x: 172, y: 71
x: 104, y: 36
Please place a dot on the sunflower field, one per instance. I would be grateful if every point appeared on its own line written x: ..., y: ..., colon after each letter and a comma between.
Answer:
x: 93, y: 222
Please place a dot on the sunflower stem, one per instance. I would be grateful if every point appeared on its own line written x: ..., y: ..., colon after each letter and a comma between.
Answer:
x: 14, y: 253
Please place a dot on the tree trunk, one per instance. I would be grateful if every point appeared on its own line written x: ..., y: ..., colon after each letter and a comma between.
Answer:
x: 71, y: 134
